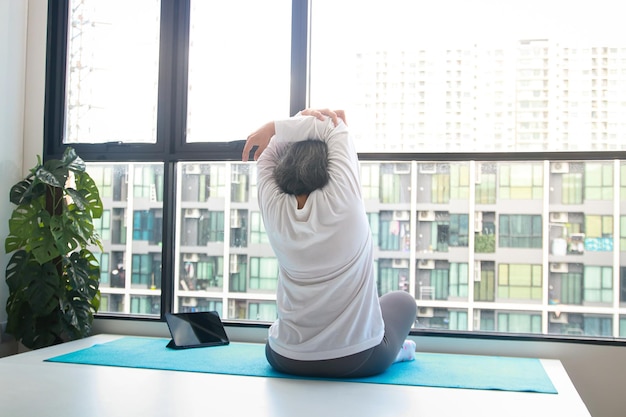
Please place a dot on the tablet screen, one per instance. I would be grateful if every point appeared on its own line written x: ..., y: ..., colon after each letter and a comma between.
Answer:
x: 196, y: 329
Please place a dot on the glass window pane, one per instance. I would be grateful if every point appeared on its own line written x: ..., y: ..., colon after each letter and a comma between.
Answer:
x: 235, y: 70
x: 113, y: 53
x: 132, y: 245
x: 413, y: 84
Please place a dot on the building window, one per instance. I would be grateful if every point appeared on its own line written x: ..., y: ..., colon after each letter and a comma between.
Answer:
x: 393, y: 275
x: 145, y: 305
x: 257, y: 229
x: 622, y: 181
x: 519, y: 323
x: 485, y: 183
x: 103, y: 177
x: 485, y: 282
x: 459, y: 230
x: 394, y: 231
x: 146, y: 271
x: 571, y: 288
x: 598, y: 326
x: 598, y: 284
x: 440, y: 186
x: 598, y: 181
x: 370, y: 181
x: 458, y: 280
x: 262, y: 311
x: 622, y: 326
x: 520, y: 231
x: 103, y: 225
x: 263, y: 273
x: 521, y: 181
x: 458, y: 320
x: 440, y: 280
x: 519, y: 282
x: 598, y: 233
x: 572, y: 188
x: 238, y: 273
x: 201, y: 272
x: 103, y: 261
x: 459, y: 181
x: 394, y: 183
x: 374, y: 222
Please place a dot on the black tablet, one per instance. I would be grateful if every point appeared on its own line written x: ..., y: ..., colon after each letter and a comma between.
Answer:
x: 200, y: 329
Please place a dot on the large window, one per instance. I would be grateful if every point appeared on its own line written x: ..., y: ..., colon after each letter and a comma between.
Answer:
x: 493, y: 166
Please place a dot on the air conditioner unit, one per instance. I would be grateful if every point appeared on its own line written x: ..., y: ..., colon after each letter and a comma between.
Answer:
x: 191, y: 257
x: 477, y: 319
x: 401, y: 215
x: 192, y: 169
x: 426, y: 264
x: 559, y: 268
x: 153, y: 193
x: 402, y: 169
x: 189, y: 301
x: 559, y: 167
x: 235, y: 222
x: 558, y: 217
x: 400, y: 263
x: 192, y: 213
x: 234, y: 265
x: 426, y: 216
x: 425, y: 312
x: 235, y: 219
x: 477, y: 271
x: 428, y: 168
x: 478, y: 221
x: 558, y: 317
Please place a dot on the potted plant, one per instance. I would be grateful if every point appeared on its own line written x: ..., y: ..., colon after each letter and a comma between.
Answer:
x: 53, y: 277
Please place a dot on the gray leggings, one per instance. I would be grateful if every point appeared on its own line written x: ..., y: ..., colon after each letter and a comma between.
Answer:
x: 398, y: 311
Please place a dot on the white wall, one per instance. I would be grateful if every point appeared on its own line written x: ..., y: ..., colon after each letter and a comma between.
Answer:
x: 13, y: 19
x: 22, y: 79
x: 598, y: 372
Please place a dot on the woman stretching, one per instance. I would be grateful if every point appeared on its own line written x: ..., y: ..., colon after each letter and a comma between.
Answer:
x: 331, y: 322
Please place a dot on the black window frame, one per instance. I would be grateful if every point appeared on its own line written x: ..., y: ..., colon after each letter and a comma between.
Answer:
x: 171, y: 147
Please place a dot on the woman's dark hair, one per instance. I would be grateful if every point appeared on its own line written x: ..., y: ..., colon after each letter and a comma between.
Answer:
x: 303, y: 167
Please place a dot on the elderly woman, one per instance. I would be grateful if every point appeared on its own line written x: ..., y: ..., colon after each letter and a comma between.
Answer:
x: 331, y: 322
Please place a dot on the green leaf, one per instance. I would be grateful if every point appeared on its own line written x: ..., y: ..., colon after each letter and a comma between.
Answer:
x: 23, y: 224
x: 45, y: 331
x: 65, y: 235
x: 73, y: 161
x: 31, y: 306
x: 42, y: 242
x: 53, y: 173
x: 83, y: 273
x: 18, y: 276
x: 78, y: 201
x: 26, y: 190
x: 20, y: 318
x: 44, y: 290
x: 89, y: 191
x: 12, y: 243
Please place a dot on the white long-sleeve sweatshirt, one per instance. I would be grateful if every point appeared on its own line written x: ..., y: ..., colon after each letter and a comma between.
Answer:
x: 326, y: 297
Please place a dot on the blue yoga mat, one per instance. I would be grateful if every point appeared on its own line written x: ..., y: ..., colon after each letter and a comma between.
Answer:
x: 248, y: 359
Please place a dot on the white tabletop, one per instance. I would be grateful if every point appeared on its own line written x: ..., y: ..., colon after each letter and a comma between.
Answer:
x: 30, y: 387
